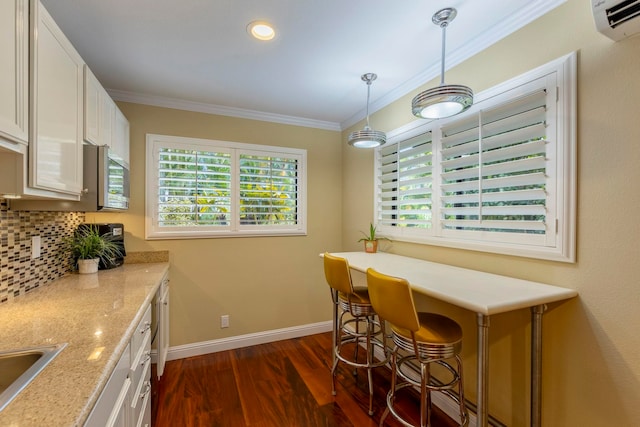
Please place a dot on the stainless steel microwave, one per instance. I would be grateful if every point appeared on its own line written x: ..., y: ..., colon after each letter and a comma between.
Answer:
x: 111, y: 178
x: 105, y: 182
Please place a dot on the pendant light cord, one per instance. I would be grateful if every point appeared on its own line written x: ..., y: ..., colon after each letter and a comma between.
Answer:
x: 443, y: 25
x: 368, y: 94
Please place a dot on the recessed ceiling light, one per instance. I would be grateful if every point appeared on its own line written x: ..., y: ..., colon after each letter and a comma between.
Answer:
x: 261, y: 30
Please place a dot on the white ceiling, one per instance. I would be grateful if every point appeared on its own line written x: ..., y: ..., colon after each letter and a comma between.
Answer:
x: 196, y: 54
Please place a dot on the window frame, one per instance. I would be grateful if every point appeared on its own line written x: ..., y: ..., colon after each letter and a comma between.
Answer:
x: 561, y: 247
x: 153, y: 231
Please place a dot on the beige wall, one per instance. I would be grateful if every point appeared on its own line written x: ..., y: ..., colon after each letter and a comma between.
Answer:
x: 591, y: 354
x: 262, y: 283
x: 591, y: 344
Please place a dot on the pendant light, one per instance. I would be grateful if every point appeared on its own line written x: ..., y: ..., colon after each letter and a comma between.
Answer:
x: 367, y: 138
x: 444, y: 100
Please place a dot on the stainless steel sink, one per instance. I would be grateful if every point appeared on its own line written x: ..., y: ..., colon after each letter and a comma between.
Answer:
x: 19, y: 367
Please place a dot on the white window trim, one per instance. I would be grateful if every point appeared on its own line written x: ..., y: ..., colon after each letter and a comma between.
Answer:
x: 566, y: 159
x: 153, y: 232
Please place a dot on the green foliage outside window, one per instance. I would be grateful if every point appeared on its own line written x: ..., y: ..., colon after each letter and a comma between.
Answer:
x: 195, y: 189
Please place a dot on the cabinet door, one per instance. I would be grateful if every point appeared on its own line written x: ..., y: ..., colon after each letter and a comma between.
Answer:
x: 14, y: 71
x: 99, y: 112
x: 163, y: 328
x: 107, y: 119
x: 55, y: 146
x: 121, y: 137
x: 112, y: 407
x: 92, y: 90
x: 121, y: 415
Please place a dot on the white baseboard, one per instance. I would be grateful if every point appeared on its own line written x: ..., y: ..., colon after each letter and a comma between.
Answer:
x: 214, y: 346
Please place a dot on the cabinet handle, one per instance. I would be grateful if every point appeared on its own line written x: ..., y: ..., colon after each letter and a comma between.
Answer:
x: 146, y: 327
x: 147, y: 388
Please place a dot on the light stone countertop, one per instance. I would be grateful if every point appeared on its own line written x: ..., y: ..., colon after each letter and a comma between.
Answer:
x: 89, y: 312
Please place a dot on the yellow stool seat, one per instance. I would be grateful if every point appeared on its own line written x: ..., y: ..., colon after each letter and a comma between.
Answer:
x: 437, y: 336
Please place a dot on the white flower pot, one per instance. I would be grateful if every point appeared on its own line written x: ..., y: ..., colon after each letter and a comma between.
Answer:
x: 88, y: 266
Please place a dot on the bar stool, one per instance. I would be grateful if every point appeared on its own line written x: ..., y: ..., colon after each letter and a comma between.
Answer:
x: 354, y: 309
x: 424, y: 339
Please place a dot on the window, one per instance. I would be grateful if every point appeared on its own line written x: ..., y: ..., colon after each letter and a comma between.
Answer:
x: 202, y: 188
x: 497, y: 178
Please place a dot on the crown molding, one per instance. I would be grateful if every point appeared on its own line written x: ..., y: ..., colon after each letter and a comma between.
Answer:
x: 201, y: 107
x: 516, y: 21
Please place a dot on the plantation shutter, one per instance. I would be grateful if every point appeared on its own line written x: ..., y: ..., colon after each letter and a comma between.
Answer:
x: 199, y: 188
x: 268, y: 190
x: 494, y: 170
x: 193, y: 188
x: 405, y: 183
x: 499, y: 177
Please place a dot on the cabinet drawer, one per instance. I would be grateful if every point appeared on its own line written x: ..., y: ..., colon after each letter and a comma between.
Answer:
x: 141, y: 401
x: 143, y: 418
x: 141, y: 368
x: 141, y: 339
x: 140, y: 378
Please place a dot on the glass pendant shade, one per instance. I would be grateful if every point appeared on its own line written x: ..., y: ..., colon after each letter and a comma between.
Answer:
x: 367, y: 137
x: 444, y: 100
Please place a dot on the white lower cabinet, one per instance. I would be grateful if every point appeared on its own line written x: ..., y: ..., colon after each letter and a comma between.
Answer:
x: 125, y: 400
x: 120, y: 417
x: 112, y: 407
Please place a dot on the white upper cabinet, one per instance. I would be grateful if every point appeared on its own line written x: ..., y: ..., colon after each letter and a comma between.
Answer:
x: 104, y: 123
x: 57, y: 77
x: 14, y: 67
x: 92, y: 100
x: 121, y: 137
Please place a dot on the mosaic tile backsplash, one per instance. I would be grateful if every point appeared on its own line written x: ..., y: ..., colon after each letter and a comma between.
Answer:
x: 18, y: 272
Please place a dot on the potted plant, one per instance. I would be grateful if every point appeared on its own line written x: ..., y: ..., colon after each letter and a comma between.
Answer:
x: 371, y: 240
x: 88, y: 247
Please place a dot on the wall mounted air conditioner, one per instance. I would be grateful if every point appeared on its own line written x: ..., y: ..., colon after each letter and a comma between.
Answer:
x: 617, y: 19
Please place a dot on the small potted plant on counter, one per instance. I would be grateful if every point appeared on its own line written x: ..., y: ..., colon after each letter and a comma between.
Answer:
x: 371, y: 240
x: 88, y: 247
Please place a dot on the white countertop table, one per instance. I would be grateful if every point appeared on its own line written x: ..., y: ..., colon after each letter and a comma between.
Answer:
x: 480, y: 292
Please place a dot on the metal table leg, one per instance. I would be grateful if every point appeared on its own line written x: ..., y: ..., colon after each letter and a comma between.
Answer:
x: 536, y: 364
x: 483, y: 371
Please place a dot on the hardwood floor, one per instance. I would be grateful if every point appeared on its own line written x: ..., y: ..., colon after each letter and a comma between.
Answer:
x: 285, y: 383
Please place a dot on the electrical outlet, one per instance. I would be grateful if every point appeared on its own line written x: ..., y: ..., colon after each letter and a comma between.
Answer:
x: 35, y: 247
x: 224, y: 321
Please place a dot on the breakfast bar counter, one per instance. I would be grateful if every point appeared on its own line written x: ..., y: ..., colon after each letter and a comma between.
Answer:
x: 95, y: 314
x: 483, y: 293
